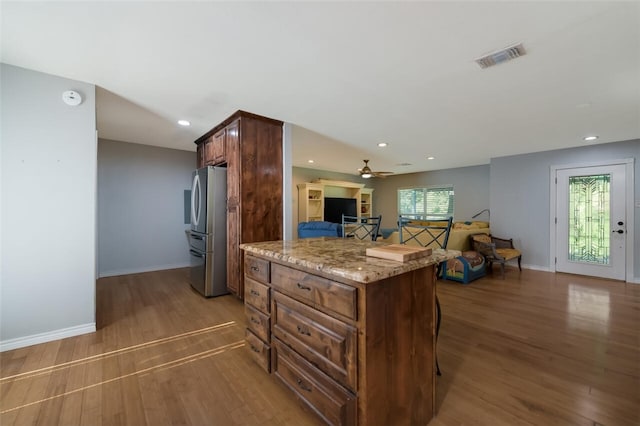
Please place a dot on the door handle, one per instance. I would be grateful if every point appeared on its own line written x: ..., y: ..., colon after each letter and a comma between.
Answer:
x: 303, y: 386
x: 304, y: 330
x: 619, y: 231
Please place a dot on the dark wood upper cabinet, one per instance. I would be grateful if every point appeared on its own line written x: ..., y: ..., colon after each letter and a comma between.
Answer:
x: 251, y: 147
x: 208, y: 151
x: 219, y: 144
x: 200, y: 156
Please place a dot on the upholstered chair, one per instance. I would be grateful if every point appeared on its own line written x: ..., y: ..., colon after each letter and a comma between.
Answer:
x: 494, y: 249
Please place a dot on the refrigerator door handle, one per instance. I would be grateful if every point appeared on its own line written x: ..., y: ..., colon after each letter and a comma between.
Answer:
x: 196, y: 237
x: 195, y: 194
x: 196, y: 254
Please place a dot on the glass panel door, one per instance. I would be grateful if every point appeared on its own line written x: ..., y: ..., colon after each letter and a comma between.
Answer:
x: 590, y: 216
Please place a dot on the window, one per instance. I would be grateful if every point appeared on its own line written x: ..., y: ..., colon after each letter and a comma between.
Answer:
x: 430, y: 202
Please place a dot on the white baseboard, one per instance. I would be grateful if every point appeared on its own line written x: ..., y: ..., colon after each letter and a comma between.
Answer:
x: 634, y: 280
x: 535, y: 267
x: 21, y: 342
x: 115, y: 273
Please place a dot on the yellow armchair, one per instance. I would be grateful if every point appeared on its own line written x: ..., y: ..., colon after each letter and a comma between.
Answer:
x: 494, y: 249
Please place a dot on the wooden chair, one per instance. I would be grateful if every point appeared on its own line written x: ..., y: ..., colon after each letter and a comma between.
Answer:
x: 427, y: 233
x: 362, y: 228
x: 494, y: 249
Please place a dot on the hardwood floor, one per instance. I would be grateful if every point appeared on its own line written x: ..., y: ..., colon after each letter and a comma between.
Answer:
x: 534, y: 349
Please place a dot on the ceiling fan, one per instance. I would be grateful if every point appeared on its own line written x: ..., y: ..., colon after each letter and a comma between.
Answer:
x: 366, y: 172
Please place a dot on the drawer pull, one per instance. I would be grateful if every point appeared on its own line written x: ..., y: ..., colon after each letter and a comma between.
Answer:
x: 255, y: 321
x: 255, y: 268
x: 303, y: 287
x: 256, y: 350
x: 303, y: 386
x: 304, y: 330
x: 254, y: 293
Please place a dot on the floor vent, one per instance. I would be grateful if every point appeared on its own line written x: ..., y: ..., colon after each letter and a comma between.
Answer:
x: 501, y: 56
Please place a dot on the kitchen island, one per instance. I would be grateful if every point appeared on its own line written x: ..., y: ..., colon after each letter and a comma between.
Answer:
x: 352, y: 336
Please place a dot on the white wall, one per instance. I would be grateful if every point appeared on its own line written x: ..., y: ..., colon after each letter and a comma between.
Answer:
x: 140, y: 207
x: 520, y: 195
x: 470, y: 184
x: 48, y: 223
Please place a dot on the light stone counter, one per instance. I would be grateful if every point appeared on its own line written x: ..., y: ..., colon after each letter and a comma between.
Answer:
x: 341, y: 257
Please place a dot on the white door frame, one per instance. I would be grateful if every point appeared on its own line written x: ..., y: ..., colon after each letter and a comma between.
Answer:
x: 629, y: 169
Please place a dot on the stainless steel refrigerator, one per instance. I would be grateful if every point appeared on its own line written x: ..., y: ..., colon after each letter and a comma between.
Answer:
x: 208, y: 235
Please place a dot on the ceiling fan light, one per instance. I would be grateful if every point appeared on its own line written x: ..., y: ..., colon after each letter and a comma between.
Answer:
x: 366, y: 175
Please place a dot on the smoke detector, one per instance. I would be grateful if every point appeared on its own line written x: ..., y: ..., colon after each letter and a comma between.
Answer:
x: 501, y: 56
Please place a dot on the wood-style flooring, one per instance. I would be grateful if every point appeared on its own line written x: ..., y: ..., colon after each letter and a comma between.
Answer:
x: 533, y: 349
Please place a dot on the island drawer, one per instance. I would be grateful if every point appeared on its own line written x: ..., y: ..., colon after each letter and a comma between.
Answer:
x: 257, y: 322
x: 257, y: 294
x: 334, y: 404
x: 256, y: 268
x: 328, y: 343
x: 260, y: 351
x: 318, y: 291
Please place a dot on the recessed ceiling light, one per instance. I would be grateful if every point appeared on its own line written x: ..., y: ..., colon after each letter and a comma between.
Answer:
x: 590, y: 138
x: 431, y: 158
x: 310, y: 161
x: 382, y: 144
x: 184, y: 122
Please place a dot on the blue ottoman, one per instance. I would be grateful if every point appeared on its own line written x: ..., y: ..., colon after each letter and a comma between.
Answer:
x: 466, y: 268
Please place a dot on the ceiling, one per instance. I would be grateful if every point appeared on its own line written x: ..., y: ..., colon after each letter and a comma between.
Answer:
x: 347, y: 75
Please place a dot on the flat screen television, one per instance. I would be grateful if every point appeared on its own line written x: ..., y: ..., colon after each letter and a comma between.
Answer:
x: 334, y: 208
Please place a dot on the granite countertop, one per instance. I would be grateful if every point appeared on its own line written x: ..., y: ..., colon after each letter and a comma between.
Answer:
x: 341, y: 257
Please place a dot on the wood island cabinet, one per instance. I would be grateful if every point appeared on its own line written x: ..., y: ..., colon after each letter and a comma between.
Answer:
x: 352, y: 352
x: 251, y: 147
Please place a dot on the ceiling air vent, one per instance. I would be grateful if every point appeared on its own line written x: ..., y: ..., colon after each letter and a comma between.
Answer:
x: 501, y: 56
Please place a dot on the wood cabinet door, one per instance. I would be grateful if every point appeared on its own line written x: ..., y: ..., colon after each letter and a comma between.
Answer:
x: 200, y: 156
x: 219, y: 147
x: 233, y: 165
x: 261, y: 181
x: 335, y: 405
x: 234, y: 220
x: 234, y: 263
x: 208, y: 151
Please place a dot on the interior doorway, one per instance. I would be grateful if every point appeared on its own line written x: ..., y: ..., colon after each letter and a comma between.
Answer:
x: 591, y: 226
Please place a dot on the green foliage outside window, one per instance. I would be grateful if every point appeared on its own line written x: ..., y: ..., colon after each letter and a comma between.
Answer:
x: 430, y: 202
